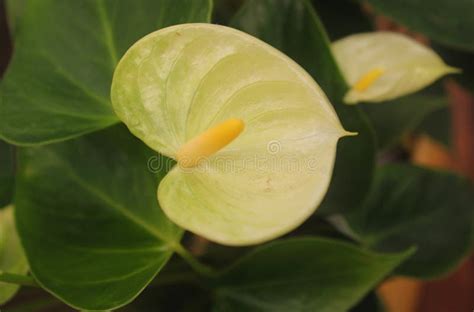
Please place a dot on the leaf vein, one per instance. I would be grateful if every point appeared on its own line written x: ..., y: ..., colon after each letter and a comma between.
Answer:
x: 108, y: 33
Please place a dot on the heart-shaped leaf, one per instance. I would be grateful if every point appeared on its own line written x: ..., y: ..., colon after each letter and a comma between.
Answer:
x: 303, y: 274
x: 12, y: 258
x: 412, y: 206
x: 57, y: 85
x: 293, y: 27
x: 89, y: 220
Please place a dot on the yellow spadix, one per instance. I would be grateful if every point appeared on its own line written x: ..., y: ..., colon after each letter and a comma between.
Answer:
x: 368, y: 79
x: 209, y: 142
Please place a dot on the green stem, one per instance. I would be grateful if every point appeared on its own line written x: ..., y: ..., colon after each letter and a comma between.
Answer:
x: 197, y: 266
x: 17, y: 279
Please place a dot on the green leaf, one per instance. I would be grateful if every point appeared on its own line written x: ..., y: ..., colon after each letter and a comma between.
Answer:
x: 7, y: 173
x: 224, y: 10
x: 342, y: 17
x: 305, y: 274
x: 12, y: 258
x: 413, y: 206
x: 14, y: 9
x: 293, y: 27
x: 57, y: 86
x: 393, y: 119
x: 438, y: 126
x: 447, y: 22
x: 89, y: 220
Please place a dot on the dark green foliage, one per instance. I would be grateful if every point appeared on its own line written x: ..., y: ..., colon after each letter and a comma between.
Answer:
x: 415, y: 207
x: 57, y: 85
x: 446, y: 22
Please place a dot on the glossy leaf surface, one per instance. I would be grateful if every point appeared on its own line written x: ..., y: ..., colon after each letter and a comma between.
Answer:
x: 57, y: 86
x: 88, y: 218
x: 304, y: 274
x: 427, y: 209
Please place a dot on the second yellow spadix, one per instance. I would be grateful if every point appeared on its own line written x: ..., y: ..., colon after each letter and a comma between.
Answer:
x: 368, y: 79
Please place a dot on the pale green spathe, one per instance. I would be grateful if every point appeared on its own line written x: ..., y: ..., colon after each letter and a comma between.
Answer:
x: 12, y: 258
x: 407, y: 65
x: 179, y: 81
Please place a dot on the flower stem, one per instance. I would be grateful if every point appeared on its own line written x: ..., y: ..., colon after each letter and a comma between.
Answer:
x: 197, y: 266
x: 17, y: 279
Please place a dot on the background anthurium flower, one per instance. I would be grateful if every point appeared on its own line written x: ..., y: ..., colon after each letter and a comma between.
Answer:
x: 381, y: 66
x: 263, y: 131
x: 12, y: 258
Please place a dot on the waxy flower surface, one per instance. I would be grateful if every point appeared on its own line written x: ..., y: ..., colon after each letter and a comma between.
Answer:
x: 381, y: 66
x: 254, y: 136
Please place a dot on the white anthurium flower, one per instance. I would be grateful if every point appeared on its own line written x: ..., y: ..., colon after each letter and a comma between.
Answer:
x: 254, y: 136
x: 381, y: 66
